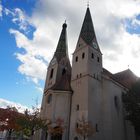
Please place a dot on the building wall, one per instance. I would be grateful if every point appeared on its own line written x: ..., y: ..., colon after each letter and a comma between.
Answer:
x: 100, y: 102
x: 58, y: 108
x: 79, y: 98
x: 113, y: 118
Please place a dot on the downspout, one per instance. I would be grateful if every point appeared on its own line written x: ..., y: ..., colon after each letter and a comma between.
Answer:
x: 70, y: 115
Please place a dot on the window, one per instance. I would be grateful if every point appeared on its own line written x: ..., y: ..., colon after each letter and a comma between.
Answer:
x: 76, y: 59
x: 49, y: 99
x: 63, y: 71
x: 116, y: 102
x: 75, y: 138
x: 77, y: 125
x: 77, y: 107
x: 92, y: 55
x: 51, y: 75
x: 98, y: 59
x: 56, y: 137
x: 96, y: 127
x: 83, y: 55
x: 77, y: 76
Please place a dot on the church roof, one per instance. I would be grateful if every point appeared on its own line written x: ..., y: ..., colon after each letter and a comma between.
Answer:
x: 126, y: 78
x: 63, y: 84
x: 87, y: 32
x: 63, y: 76
x: 62, y: 46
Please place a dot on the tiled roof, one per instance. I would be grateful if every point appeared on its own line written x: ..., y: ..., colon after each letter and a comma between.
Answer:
x: 62, y: 47
x: 63, y: 84
x: 126, y: 78
x: 87, y: 32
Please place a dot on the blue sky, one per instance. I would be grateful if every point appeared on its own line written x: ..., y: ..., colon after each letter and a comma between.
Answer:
x: 14, y: 86
x: 29, y: 32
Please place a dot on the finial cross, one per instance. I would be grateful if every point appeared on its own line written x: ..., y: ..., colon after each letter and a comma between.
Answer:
x: 87, y: 3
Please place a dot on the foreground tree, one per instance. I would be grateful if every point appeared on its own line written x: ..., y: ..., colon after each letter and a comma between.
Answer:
x: 56, y: 128
x: 131, y: 101
x: 30, y: 122
x: 25, y: 124
x: 8, y: 118
x: 84, y: 129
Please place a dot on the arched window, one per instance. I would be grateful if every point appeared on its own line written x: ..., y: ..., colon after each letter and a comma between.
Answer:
x: 116, y: 102
x: 63, y: 71
x: 51, y: 74
x: 75, y: 138
x: 96, y: 127
x: 92, y: 55
x: 56, y: 136
x: 77, y: 125
x: 83, y: 55
x: 76, y: 59
x: 98, y: 59
x: 77, y: 76
x: 49, y: 98
x: 77, y: 107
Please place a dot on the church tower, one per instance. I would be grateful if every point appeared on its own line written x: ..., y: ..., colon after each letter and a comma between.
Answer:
x: 86, y: 79
x: 57, y: 91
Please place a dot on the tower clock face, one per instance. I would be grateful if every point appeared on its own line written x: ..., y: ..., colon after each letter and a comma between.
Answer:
x: 53, y: 61
x: 95, y: 45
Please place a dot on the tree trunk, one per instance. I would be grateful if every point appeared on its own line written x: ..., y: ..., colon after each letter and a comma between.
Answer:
x: 84, y: 137
x: 9, y: 134
x: 32, y: 134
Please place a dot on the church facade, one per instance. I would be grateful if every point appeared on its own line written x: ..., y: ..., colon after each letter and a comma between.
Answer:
x: 84, y: 101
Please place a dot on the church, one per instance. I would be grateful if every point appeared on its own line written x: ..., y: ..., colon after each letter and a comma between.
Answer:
x: 84, y: 101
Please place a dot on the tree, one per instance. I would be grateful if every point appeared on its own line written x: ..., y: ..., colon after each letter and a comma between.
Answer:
x: 84, y: 128
x: 13, y: 121
x: 131, y: 101
x: 30, y: 122
x: 8, y: 120
x: 56, y: 128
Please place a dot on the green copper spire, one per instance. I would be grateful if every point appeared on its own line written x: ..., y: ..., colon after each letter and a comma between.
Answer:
x: 62, y: 47
x: 87, y: 32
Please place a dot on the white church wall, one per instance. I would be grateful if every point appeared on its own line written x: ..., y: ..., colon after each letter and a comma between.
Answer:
x: 113, y: 118
x: 94, y: 107
x: 80, y: 98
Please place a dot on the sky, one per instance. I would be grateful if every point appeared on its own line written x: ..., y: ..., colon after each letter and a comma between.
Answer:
x: 29, y: 32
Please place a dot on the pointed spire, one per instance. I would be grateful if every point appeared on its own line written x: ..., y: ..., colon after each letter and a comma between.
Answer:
x: 87, y: 32
x: 62, y: 47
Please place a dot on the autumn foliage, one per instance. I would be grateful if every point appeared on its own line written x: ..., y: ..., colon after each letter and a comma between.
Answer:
x: 8, y: 119
x: 84, y: 129
x: 56, y: 128
x: 27, y: 123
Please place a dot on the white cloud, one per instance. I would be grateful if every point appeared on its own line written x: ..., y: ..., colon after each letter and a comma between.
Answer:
x: 4, y: 103
x: 8, y: 12
x: 119, y: 48
x: 33, y: 61
x: 1, y: 8
x: 20, y: 19
x: 39, y: 89
x: 30, y: 62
